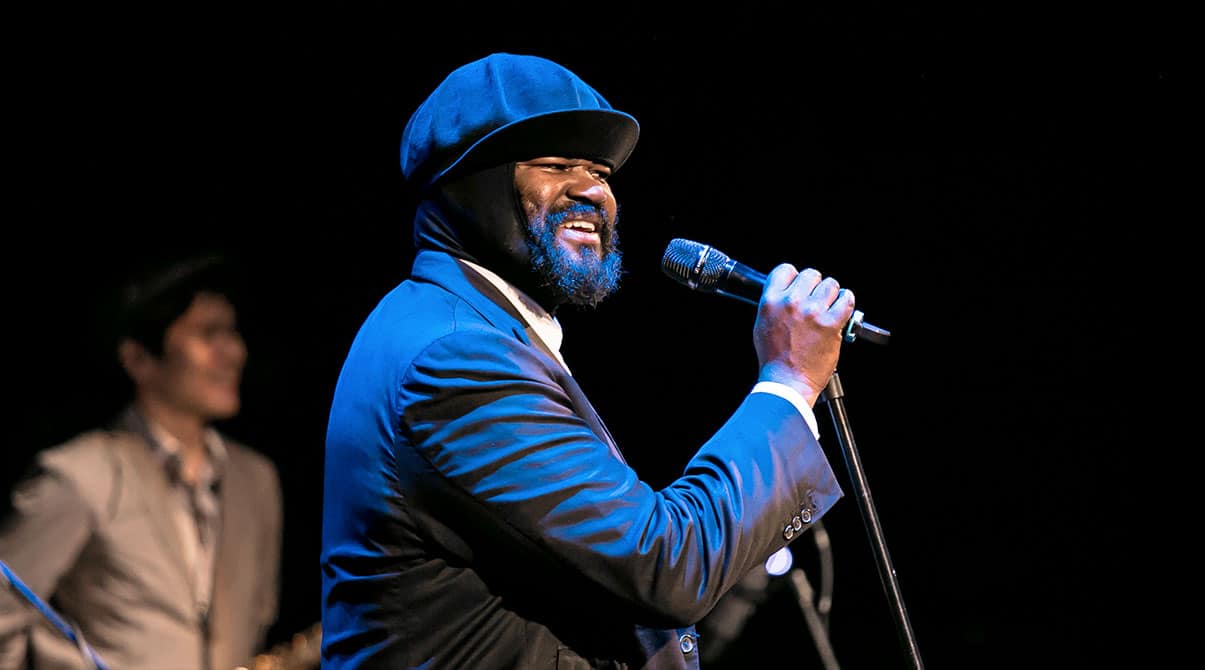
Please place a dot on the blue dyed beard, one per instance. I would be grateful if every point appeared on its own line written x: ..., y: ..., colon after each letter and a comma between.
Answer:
x: 577, y: 280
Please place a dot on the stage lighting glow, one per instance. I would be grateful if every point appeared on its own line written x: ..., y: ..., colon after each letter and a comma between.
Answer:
x: 779, y: 562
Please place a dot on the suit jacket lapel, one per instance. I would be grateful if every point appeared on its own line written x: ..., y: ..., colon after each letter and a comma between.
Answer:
x: 152, y: 482
x: 476, y: 290
x: 580, y: 402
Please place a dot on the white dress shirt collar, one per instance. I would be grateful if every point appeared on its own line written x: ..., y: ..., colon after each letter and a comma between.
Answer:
x: 547, y: 328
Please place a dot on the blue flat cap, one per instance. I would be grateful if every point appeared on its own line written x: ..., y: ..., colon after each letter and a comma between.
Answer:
x: 508, y: 107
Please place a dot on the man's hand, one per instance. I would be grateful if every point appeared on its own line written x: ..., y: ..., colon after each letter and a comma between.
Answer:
x: 798, y: 332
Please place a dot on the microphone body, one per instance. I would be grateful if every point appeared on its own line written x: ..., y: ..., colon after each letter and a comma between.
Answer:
x: 702, y: 267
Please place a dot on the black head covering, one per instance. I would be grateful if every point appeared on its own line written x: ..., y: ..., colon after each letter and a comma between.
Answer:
x: 460, y: 146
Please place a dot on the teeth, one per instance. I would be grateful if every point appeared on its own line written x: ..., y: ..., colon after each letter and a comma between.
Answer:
x: 580, y: 225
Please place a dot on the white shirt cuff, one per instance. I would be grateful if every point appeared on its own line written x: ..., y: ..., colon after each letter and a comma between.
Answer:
x: 792, y: 396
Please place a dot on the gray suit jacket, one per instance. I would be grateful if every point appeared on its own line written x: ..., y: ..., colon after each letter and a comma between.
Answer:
x: 92, y: 529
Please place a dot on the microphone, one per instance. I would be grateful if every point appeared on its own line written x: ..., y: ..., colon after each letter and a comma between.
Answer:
x: 702, y: 267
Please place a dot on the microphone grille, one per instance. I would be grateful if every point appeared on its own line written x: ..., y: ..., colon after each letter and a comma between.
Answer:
x: 699, y: 266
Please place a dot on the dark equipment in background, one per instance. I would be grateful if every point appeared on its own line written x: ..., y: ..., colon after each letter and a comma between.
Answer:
x: 725, y: 624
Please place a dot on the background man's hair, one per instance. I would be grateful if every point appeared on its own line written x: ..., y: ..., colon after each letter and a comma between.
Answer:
x: 160, y: 293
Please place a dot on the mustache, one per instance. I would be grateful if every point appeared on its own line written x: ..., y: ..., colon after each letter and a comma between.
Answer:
x: 578, y: 210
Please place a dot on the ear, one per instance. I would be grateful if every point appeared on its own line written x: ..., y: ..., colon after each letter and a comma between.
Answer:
x: 134, y: 358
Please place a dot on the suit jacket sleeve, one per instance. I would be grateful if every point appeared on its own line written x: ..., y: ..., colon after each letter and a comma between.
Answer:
x: 49, y: 524
x: 488, y: 414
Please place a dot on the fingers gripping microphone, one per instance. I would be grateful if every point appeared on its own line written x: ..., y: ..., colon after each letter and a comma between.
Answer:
x: 702, y: 267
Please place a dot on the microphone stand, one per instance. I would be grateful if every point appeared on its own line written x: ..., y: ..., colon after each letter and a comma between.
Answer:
x: 833, y: 396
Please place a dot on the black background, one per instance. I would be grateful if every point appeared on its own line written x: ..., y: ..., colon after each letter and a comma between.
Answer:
x: 996, y: 186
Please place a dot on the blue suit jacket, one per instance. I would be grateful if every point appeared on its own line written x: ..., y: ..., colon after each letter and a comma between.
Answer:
x: 477, y: 514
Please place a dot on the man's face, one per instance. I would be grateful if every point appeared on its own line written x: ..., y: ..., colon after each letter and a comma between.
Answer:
x: 202, y: 363
x: 571, y: 216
